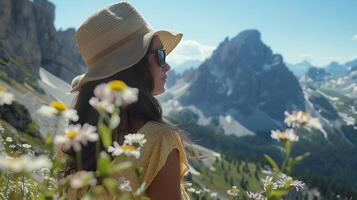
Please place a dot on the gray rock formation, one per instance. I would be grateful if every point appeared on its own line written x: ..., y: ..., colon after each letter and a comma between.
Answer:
x: 243, y: 77
x: 27, y: 33
x: 317, y: 74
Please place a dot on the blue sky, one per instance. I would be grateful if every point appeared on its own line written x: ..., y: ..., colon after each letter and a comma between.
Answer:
x: 320, y: 31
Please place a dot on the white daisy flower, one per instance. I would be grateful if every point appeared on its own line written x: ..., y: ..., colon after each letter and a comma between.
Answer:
x: 287, y: 181
x: 198, y: 192
x: 213, y: 194
x: 188, y: 184
x: 130, y: 95
x: 58, y: 108
x: 116, y: 92
x: 288, y: 134
x: 102, y: 104
x: 234, y: 191
x: 5, y: 97
x: 1, y: 129
x: 255, y: 196
x: 88, y: 134
x: 115, y: 150
x: 135, y: 139
x: 76, y: 135
x: 126, y: 149
x: 12, y: 146
x: 296, y: 118
x: 21, y: 164
x: 124, y: 184
x: 298, y: 185
x: 8, y: 139
x: 27, y: 146
x: 267, y: 182
x: 191, y: 189
x: 82, y: 178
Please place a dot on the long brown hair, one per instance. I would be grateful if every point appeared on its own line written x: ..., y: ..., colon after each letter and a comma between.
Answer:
x: 132, y: 117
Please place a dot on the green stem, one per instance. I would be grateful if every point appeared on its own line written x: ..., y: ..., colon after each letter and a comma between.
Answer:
x: 23, y: 187
x: 7, y: 185
x: 287, y: 156
x: 56, y: 126
x: 97, y: 149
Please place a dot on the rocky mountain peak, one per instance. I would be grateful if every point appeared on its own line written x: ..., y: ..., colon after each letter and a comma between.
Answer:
x: 243, y: 77
x: 247, y: 36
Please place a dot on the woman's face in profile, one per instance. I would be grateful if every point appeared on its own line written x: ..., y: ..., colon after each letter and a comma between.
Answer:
x: 158, y: 72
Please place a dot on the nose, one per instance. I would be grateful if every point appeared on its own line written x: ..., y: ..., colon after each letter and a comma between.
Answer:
x: 166, y: 67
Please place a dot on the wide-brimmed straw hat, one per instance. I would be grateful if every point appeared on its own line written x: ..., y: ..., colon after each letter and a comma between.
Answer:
x: 114, y: 39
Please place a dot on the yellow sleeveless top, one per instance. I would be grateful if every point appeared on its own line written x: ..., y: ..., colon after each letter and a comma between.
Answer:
x: 161, y: 140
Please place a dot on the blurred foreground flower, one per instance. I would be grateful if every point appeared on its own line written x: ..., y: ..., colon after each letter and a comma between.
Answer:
x: 288, y: 134
x: 234, y: 191
x: 83, y: 178
x: 116, y: 92
x: 213, y: 195
x: 287, y: 181
x: 24, y: 163
x: 135, y: 139
x: 76, y: 135
x: 56, y: 109
x: 5, y: 97
x: 124, y: 184
x: 296, y: 118
x: 301, y: 119
x: 255, y: 196
x: 127, y: 149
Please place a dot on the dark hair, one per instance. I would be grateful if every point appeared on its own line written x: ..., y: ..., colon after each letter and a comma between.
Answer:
x: 132, y: 117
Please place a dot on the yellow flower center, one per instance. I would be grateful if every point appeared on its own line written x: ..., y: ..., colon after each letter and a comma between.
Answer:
x: 303, y: 116
x: 128, y: 147
x: 2, y: 89
x: 71, y: 134
x: 117, y: 85
x: 282, y: 135
x: 60, y: 106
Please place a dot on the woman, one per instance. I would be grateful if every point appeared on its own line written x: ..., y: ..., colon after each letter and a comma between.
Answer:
x: 116, y: 43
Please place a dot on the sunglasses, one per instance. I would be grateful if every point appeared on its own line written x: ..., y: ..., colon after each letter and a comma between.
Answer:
x: 160, y: 56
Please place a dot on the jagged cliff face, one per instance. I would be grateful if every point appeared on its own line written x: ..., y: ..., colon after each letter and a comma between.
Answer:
x: 27, y: 32
x: 243, y: 76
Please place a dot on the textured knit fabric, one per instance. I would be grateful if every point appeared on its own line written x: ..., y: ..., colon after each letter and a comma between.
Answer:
x: 161, y: 140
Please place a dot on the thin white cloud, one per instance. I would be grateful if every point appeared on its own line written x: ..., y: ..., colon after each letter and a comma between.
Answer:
x: 354, y: 37
x: 190, y: 50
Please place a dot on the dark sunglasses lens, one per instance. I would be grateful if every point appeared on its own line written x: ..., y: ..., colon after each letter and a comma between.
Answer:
x: 161, y: 56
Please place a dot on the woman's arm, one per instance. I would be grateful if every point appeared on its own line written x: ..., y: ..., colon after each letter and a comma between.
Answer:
x: 166, y: 184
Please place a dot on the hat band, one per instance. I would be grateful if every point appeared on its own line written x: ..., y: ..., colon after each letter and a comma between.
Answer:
x: 117, y: 45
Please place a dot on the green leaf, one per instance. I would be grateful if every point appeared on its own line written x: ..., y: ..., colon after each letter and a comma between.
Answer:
x: 105, y: 134
x: 103, y: 163
x: 278, y: 194
x: 114, y: 121
x: 300, y: 158
x: 271, y: 161
x: 288, y: 146
x: 118, y: 167
x: 111, y: 184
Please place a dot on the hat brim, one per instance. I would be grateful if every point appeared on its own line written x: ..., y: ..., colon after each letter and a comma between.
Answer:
x: 128, y: 55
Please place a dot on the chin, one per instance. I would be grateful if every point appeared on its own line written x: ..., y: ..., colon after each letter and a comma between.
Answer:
x: 155, y: 93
